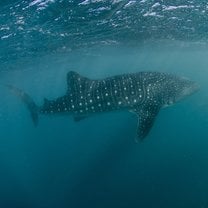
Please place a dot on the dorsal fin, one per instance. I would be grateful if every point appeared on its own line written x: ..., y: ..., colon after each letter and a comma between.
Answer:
x: 76, y: 82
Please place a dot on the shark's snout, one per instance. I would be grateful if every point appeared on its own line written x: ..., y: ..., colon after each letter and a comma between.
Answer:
x: 193, y: 87
x: 184, y: 87
x: 196, y: 87
x: 190, y: 87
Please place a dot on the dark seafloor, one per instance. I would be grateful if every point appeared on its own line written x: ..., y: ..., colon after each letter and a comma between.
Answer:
x: 96, y: 163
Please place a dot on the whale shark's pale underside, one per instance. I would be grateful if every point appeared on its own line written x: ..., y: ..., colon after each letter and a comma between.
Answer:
x: 143, y: 93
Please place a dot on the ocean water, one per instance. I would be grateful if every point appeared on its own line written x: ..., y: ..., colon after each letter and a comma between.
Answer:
x: 96, y: 162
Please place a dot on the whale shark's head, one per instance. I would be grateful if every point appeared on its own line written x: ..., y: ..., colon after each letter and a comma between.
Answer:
x: 188, y: 87
x: 178, y: 88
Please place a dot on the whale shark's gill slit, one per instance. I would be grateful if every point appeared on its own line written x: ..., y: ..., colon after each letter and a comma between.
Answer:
x: 138, y: 89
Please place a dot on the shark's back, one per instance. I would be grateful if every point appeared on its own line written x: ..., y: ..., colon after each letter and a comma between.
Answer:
x: 111, y: 93
x: 120, y: 90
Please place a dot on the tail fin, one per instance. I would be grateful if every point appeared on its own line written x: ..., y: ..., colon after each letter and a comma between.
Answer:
x: 32, y: 107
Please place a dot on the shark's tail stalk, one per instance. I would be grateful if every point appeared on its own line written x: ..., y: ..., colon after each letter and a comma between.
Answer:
x: 28, y: 101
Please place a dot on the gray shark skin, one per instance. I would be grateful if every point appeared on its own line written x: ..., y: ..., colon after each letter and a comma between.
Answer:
x: 143, y: 93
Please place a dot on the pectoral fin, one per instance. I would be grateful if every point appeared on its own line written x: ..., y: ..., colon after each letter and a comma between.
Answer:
x: 146, y: 117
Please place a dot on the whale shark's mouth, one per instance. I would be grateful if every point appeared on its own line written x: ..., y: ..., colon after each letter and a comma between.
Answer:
x: 189, y: 88
x: 194, y: 87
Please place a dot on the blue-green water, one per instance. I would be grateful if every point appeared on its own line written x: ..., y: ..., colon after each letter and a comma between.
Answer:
x: 96, y: 163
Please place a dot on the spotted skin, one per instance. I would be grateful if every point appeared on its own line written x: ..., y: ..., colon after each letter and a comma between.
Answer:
x: 143, y: 93
x: 86, y: 96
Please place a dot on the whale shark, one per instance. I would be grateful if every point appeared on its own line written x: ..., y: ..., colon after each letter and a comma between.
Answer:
x: 142, y: 93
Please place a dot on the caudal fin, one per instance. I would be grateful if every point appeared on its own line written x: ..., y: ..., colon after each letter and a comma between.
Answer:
x: 28, y: 101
